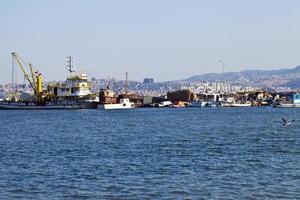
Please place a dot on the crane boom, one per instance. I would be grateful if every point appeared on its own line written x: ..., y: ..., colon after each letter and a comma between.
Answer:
x: 32, y: 74
x: 15, y: 55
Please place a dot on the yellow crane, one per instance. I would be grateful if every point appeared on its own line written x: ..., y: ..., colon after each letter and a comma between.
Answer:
x: 35, y: 80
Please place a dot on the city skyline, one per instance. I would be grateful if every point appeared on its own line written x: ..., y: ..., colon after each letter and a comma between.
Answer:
x: 164, y: 40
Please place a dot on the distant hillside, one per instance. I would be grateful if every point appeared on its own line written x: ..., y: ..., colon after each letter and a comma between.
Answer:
x: 266, y: 78
x: 292, y: 84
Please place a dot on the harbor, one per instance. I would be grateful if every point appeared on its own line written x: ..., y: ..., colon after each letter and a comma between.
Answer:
x: 149, y: 100
x: 76, y: 93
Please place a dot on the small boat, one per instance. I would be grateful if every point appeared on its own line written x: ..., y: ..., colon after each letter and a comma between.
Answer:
x: 210, y: 104
x: 241, y: 105
x: 287, y: 105
x: 205, y: 104
x: 226, y: 104
x: 230, y: 104
x: 294, y: 104
x: 165, y: 104
x: 124, y: 104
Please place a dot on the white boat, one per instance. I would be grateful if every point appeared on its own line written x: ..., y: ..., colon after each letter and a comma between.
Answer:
x: 228, y: 104
x: 294, y: 104
x: 209, y: 104
x: 204, y: 104
x: 287, y: 105
x: 241, y: 105
x: 124, y: 104
x: 165, y: 104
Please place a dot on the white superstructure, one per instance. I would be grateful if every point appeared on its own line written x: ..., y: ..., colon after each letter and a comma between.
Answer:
x: 74, y: 86
x: 124, y: 104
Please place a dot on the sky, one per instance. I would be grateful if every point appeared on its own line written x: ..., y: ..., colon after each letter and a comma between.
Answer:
x: 162, y: 39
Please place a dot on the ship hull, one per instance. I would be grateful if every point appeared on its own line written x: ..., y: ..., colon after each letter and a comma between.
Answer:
x: 33, y: 106
x: 115, y: 106
x: 237, y: 105
x: 124, y: 104
x: 225, y: 104
x: 287, y: 105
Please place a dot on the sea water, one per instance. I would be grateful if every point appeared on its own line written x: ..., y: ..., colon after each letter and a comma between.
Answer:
x: 188, y: 153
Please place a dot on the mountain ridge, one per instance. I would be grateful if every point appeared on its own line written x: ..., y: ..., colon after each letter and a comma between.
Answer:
x: 284, y: 77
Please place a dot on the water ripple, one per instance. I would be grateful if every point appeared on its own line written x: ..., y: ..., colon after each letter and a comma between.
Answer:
x: 150, y: 154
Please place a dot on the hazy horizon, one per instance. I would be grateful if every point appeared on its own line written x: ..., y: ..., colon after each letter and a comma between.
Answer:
x: 165, y: 40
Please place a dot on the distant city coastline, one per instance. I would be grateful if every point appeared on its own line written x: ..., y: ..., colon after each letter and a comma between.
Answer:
x: 282, y: 80
x: 232, y: 89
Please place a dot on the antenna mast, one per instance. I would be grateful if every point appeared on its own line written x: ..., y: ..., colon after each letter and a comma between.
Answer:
x: 70, y: 64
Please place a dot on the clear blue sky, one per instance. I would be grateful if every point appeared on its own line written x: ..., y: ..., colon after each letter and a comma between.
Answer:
x: 163, y: 39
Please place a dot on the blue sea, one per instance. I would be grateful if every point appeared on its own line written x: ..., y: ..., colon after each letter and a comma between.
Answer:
x: 188, y: 153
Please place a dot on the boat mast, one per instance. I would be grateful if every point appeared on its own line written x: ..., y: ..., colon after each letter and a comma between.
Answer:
x: 126, y: 84
x: 70, y: 64
x: 13, y: 73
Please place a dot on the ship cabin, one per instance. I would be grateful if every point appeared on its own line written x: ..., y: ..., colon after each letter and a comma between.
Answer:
x: 74, y: 86
x: 296, y: 98
x: 107, y: 96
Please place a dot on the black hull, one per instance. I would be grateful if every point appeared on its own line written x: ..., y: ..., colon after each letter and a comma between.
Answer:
x: 32, y: 106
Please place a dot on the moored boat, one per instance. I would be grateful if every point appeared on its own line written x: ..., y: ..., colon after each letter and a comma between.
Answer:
x: 164, y: 104
x: 228, y: 104
x: 287, y: 105
x: 241, y: 105
x: 124, y: 104
x: 295, y: 103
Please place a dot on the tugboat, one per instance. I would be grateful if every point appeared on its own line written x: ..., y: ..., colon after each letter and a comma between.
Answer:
x: 74, y: 93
